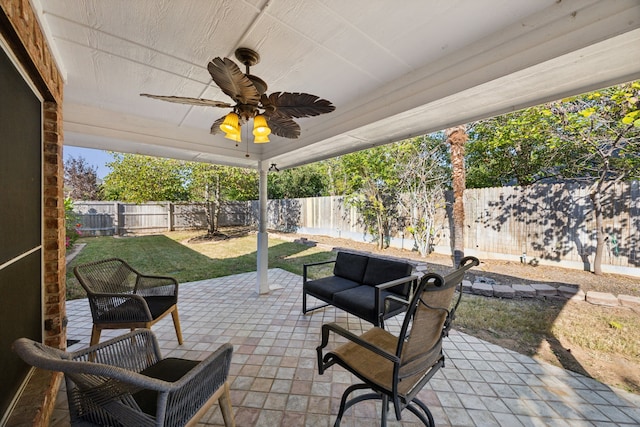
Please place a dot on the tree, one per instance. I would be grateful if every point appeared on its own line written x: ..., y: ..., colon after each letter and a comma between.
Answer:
x: 80, y: 180
x: 591, y: 137
x: 512, y: 149
x: 213, y: 184
x: 136, y: 178
x: 304, y: 181
x: 371, y: 179
x: 456, y: 138
x: 600, y: 134
x: 423, y: 179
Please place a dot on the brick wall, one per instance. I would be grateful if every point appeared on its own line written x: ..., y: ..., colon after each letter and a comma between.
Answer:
x: 21, y: 30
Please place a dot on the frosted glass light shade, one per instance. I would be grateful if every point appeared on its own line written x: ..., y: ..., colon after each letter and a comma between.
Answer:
x: 260, y: 127
x: 260, y: 139
x: 234, y: 136
x: 230, y: 124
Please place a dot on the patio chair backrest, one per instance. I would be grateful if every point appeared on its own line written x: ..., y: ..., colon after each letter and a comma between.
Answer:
x: 111, y: 275
x: 427, y: 321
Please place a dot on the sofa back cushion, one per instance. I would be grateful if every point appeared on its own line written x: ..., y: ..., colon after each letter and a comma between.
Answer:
x: 384, y: 270
x: 350, y: 266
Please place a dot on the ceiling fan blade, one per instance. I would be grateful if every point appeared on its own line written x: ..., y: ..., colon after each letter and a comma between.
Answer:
x: 190, y: 101
x: 233, y: 82
x: 283, y: 126
x: 297, y: 104
x: 215, y: 127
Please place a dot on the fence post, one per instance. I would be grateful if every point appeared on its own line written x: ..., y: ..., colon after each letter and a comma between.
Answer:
x: 116, y: 219
x: 170, y: 219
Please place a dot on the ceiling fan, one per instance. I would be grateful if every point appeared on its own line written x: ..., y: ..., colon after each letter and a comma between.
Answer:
x: 272, y: 113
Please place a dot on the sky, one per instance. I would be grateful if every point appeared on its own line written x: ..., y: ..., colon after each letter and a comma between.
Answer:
x: 94, y: 158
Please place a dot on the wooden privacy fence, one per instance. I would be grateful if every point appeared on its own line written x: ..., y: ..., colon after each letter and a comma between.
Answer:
x: 117, y: 218
x: 544, y: 223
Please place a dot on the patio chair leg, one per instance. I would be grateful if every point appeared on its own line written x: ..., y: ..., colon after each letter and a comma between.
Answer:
x: 225, y: 407
x: 95, y: 335
x: 176, y: 324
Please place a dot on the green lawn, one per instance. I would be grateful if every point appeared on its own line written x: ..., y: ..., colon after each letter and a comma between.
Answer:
x: 187, y: 262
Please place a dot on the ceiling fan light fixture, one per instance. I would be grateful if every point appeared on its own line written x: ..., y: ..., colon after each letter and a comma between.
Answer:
x: 230, y: 125
x: 260, y: 139
x: 234, y: 136
x: 249, y: 94
x: 260, y: 127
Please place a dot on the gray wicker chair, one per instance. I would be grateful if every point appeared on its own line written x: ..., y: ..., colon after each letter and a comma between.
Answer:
x: 125, y: 382
x: 397, y: 368
x: 122, y: 298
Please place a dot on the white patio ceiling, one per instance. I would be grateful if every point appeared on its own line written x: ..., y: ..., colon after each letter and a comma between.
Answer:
x: 393, y: 69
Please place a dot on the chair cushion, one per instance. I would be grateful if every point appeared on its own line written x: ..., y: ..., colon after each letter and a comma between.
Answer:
x: 170, y: 369
x: 328, y: 286
x: 158, y: 305
x: 350, y: 266
x: 130, y: 309
x: 361, y: 302
x: 381, y: 270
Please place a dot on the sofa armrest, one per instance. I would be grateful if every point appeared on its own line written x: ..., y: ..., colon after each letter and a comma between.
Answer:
x: 402, y: 301
x: 396, y: 282
x: 312, y: 264
x: 380, y: 305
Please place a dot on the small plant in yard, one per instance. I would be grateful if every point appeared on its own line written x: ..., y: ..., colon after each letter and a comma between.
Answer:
x: 615, y: 325
x: 72, y: 226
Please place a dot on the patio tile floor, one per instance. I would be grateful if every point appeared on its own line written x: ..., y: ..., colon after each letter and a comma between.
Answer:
x: 274, y: 378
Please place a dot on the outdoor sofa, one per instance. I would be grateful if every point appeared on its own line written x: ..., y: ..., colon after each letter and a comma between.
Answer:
x: 366, y: 286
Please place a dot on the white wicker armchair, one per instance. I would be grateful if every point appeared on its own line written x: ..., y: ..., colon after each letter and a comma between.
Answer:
x: 125, y: 381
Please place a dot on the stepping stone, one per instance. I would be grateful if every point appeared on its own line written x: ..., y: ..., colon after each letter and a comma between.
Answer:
x: 482, y: 289
x: 602, y: 298
x: 503, y: 291
x: 524, y: 291
x: 571, y: 293
x: 467, y: 287
x: 630, y: 301
x: 422, y: 268
x: 486, y: 280
x: 544, y: 290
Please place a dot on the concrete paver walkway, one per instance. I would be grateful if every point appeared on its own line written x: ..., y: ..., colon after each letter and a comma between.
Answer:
x: 274, y: 378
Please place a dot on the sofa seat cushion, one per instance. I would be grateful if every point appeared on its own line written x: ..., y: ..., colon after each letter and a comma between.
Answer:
x: 384, y: 270
x: 361, y: 302
x: 350, y: 266
x: 170, y: 369
x: 328, y: 286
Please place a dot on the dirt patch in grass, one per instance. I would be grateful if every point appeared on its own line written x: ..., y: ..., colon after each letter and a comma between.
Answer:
x: 596, y: 341
x: 221, y: 235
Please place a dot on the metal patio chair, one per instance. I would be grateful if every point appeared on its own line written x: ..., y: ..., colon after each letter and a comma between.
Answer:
x: 396, y: 368
x: 122, y: 298
x: 125, y: 381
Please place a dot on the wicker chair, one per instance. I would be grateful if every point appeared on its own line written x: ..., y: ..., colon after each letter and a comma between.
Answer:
x: 122, y: 298
x: 396, y: 368
x: 125, y: 382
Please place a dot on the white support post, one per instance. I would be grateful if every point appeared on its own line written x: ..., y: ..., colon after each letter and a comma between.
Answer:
x: 262, y: 284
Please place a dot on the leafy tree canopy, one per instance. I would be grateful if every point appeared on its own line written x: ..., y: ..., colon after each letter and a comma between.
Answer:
x: 600, y: 133
x: 303, y: 181
x: 518, y: 148
x: 208, y: 182
x: 589, y: 136
x: 136, y: 178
